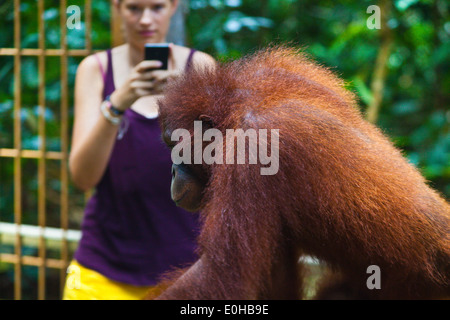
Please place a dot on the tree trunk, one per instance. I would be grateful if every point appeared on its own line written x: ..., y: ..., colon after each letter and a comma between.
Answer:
x: 379, y: 73
x: 177, y: 31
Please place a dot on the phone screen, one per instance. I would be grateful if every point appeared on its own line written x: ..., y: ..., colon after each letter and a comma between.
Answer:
x: 158, y: 51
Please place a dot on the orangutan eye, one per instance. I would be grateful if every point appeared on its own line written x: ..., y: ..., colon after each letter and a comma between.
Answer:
x: 166, y: 137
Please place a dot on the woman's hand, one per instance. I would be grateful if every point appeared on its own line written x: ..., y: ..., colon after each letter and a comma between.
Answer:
x: 143, y: 81
x: 161, y: 78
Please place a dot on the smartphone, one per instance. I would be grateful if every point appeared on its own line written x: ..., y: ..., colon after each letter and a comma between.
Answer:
x: 158, y: 51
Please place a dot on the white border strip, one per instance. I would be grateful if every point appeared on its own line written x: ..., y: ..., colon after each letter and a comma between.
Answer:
x: 36, y: 232
x: 74, y: 235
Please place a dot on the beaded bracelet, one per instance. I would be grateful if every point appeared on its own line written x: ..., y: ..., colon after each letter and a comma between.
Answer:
x: 113, y: 109
x: 105, y: 107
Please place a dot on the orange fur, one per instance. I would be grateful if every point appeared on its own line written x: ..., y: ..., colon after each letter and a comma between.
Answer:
x: 343, y: 193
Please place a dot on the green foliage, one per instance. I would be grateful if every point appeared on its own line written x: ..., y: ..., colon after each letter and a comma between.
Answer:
x: 29, y: 114
x: 415, y: 110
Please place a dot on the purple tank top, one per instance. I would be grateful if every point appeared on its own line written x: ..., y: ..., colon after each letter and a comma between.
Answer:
x: 132, y: 231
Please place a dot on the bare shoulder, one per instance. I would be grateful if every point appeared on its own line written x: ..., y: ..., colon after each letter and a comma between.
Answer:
x: 203, y: 59
x: 199, y: 58
x: 93, y: 64
x: 89, y: 79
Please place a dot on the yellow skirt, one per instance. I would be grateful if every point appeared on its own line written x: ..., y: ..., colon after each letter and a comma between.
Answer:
x: 86, y: 284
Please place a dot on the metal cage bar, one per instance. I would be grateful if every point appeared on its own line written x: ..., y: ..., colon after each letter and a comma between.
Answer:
x: 46, y: 52
x: 64, y: 141
x: 41, y: 160
x: 17, y: 158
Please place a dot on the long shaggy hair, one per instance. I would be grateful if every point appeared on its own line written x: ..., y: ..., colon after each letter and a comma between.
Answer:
x: 343, y: 192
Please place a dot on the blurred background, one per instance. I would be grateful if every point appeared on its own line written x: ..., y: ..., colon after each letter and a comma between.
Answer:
x: 399, y: 72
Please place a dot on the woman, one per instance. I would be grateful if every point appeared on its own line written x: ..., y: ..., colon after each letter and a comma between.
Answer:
x: 131, y: 232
